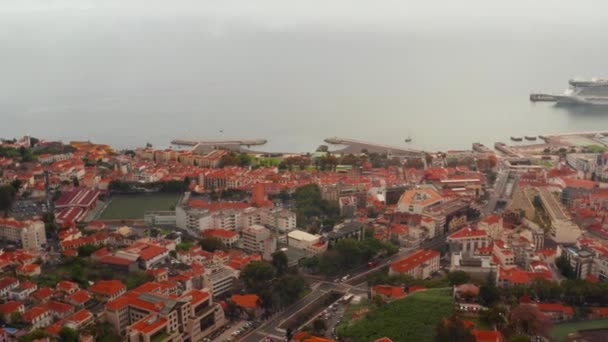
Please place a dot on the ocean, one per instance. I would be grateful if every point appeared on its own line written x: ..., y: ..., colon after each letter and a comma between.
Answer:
x: 131, y: 72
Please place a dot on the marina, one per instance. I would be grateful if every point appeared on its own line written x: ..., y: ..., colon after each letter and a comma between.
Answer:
x: 356, y: 146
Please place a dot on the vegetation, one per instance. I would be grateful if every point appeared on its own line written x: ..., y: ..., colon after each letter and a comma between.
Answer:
x: 382, y: 278
x: 67, y: 334
x: 528, y: 320
x: 34, y: 335
x: 275, y: 290
x: 348, y: 254
x: 458, y: 277
x: 413, y: 318
x: 81, y: 271
x: 452, y: 329
x: 184, y: 246
x: 564, y: 267
x: 21, y: 154
x: 312, y: 210
x: 7, y: 198
x: 560, y: 331
x: 236, y: 159
x: 211, y: 244
x: 594, y: 149
x: 229, y: 195
x: 573, y: 292
x: 280, y: 263
x: 171, y: 186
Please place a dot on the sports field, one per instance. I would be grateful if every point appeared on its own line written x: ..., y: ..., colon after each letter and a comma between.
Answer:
x: 560, y: 331
x: 133, y: 207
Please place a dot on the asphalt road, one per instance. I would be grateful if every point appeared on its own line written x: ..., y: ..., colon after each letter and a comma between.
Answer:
x: 356, y: 285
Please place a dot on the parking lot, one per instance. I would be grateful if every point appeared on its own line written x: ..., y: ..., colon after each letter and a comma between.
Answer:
x: 232, y: 331
x: 28, y: 209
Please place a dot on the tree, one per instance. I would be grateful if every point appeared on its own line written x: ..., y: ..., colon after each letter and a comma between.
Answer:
x: 15, y: 317
x: 16, y: 184
x: 7, y: 198
x: 137, y: 278
x: 232, y: 310
x: 211, y: 244
x: 289, y: 288
x: 87, y: 250
x: 563, y: 265
x: 527, y: 319
x: 67, y: 334
x: 458, y: 277
x: 244, y: 159
x: 330, y: 262
x: 279, y: 261
x: 519, y: 338
x: 488, y: 294
x: 289, y: 334
x: 184, y: 246
x: 495, y: 316
x: 319, y: 326
x: 257, y: 276
x: 452, y: 329
x: 75, y: 182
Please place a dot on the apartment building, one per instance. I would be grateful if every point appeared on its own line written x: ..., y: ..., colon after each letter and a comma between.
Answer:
x: 421, y: 264
x: 30, y: 234
x: 150, y: 316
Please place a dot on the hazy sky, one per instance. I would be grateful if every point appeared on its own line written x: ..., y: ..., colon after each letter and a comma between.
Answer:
x: 512, y: 15
x: 292, y: 71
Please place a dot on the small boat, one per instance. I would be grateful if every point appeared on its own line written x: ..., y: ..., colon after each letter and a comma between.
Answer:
x: 530, y: 137
x: 517, y: 138
x: 408, y: 139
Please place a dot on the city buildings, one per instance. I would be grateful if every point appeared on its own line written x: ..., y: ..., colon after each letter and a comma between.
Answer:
x: 310, y: 243
x: 31, y: 235
x: 420, y: 264
x: 147, y: 316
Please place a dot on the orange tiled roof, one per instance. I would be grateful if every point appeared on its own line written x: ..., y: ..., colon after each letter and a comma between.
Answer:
x: 149, y: 324
x: 246, y: 301
x: 80, y: 297
x: 393, y: 292
x: 107, y: 287
x: 414, y: 260
x: 10, y: 307
x: 487, y: 335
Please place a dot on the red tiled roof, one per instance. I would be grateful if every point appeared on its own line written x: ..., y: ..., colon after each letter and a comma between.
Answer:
x: 66, y: 285
x: 80, y: 316
x: 222, y: 233
x: 43, y: 293
x: 197, y: 296
x: 32, y: 313
x: 146, y: 251
x: 491, y: 219
x: 149, y: 324
x: 487, y: 335
x: 600, y: 311
x: 114, y: 260
x: 58, y: 307
x: 10, y: 307
x: 555, y: 307
x: 415, y: 288
x: 7, y: 281
x: 414, y: 260
x: 468, y: 233
x: 384, y: 339
x: 107, y: 287
x: 246, y: 301
x: 393, y: 292
x: 80, y: 297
